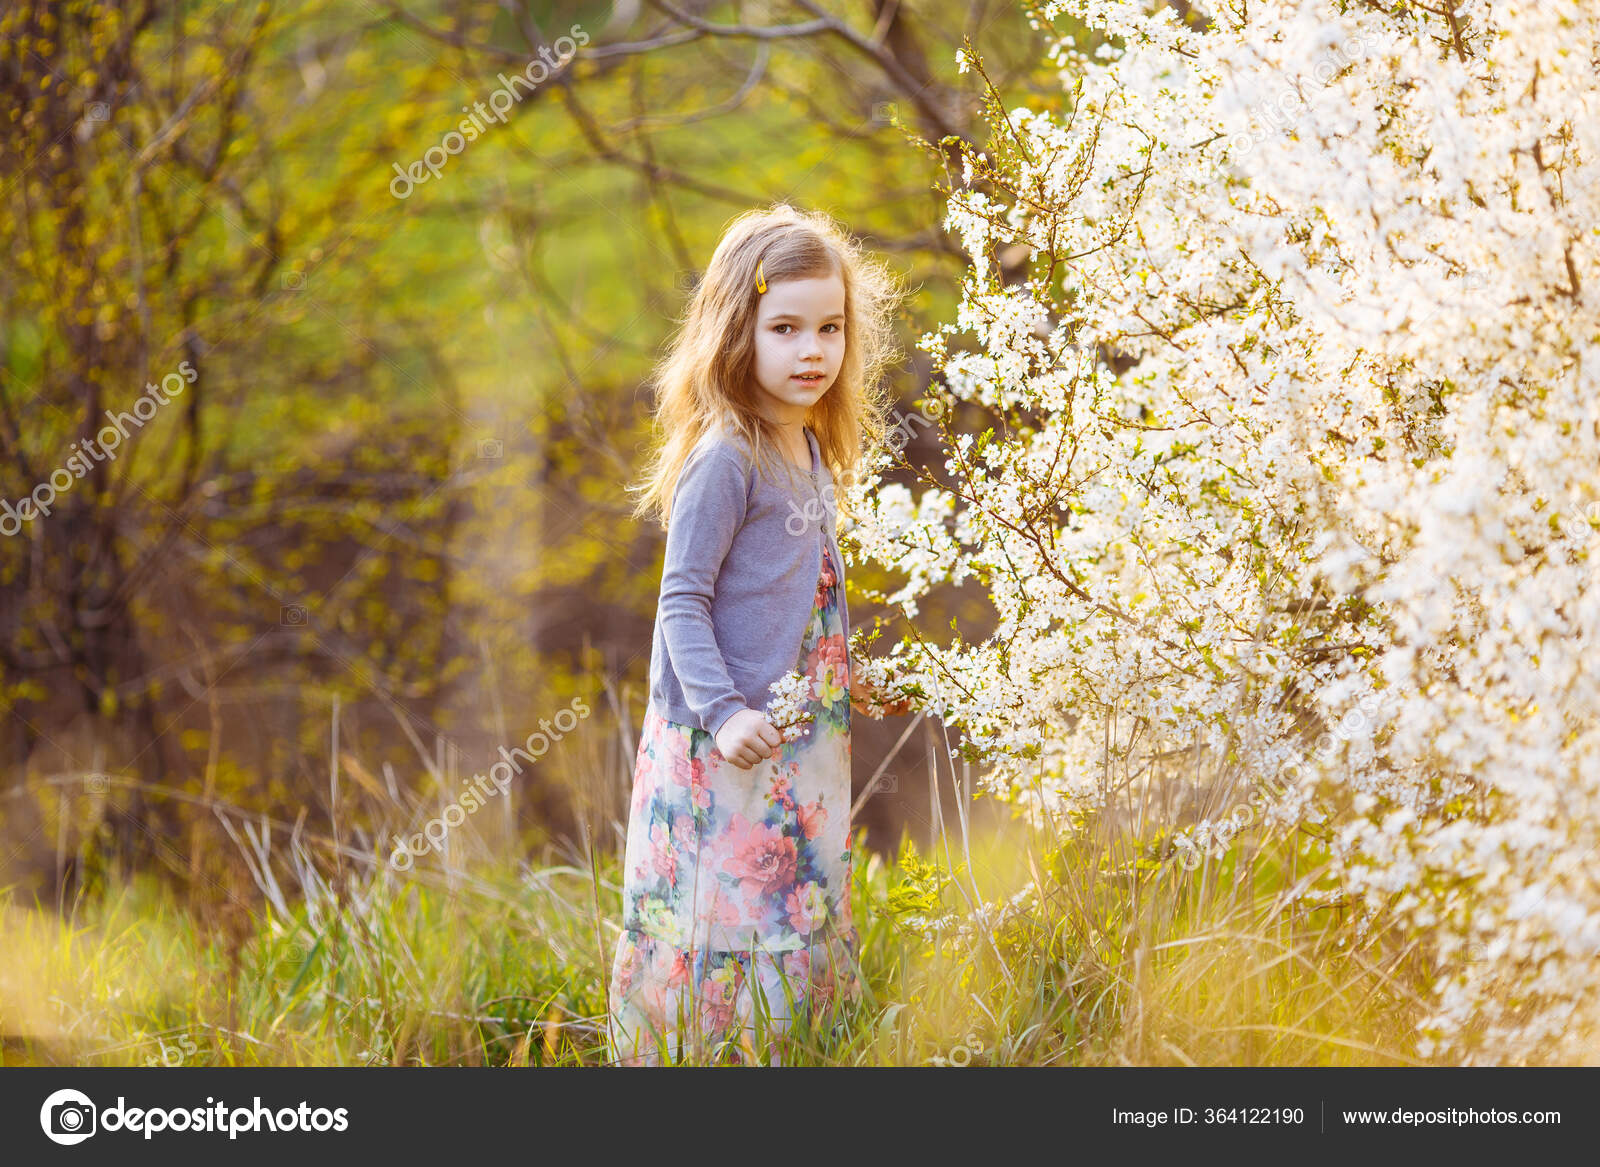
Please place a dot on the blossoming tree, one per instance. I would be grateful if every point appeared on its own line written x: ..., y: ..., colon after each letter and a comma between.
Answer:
x: 1292, y: 461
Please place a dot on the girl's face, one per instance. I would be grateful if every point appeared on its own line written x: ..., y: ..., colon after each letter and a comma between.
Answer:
x: 799, y: 344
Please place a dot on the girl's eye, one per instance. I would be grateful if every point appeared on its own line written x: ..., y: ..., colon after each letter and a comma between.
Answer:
x: 835, y: 327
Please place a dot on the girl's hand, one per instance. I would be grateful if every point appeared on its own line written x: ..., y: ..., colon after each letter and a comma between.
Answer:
x: 747, y: 738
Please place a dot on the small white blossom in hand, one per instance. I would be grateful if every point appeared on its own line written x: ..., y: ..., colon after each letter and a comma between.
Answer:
x: 788, y: 708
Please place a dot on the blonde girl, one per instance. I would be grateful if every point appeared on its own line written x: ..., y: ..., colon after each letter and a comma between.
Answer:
x: 736, y: 871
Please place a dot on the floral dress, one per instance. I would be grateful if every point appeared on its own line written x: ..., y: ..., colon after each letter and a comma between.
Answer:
x: 736, y: 883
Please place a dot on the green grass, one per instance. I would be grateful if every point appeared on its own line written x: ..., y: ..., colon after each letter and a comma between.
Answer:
x: 1116, y: 964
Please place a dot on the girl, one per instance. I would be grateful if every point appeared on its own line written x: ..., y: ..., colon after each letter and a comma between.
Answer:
x: 736, y: 870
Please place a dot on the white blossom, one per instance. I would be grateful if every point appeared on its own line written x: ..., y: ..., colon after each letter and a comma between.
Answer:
x: 789, y: 707
x: 1348, y: 261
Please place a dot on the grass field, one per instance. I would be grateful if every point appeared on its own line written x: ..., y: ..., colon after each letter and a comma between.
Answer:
x: 1107, y: 958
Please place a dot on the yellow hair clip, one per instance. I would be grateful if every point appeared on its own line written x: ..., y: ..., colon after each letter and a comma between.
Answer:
x: 761, y: 280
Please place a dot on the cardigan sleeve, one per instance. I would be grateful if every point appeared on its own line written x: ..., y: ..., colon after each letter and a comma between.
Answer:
x: 708, y: 508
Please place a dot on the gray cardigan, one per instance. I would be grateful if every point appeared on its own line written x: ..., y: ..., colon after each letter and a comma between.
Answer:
x: 743, y: 556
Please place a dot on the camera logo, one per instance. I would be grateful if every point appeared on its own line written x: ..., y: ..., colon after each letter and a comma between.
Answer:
x: 67, y: 1117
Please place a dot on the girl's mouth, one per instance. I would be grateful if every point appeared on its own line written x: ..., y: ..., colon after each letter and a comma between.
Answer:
x: 808, y: 378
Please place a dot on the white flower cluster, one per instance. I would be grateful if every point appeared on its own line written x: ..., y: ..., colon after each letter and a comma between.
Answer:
x: 882, y: 681
x: 982, y: 920
x: 789, y: 706
x: 1298, y: 428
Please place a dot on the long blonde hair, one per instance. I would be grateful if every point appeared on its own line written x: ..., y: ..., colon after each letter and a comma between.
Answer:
x: 707, y: 375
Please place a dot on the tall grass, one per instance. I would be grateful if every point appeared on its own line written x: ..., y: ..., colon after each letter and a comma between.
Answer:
x: 1008, y: 946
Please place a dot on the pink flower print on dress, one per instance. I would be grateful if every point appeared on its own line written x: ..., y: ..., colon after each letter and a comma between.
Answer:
x: 684, y: 834
x: 844, y: 920
x: 763, y: 860
x: 807, y: 906
x: 781, y: 793
x: 813, y: 817
x: 825, y: 580
x: 678, y: 976
x: 684, y: 768
x: 662, y: 857
x: 627, y: 957
x: 830, y: 650
x: 699, y: 787
x: 668, y: 970
x: 719, y: 992
x: 797, y: 966
x: 642, y: 781
x: 828, y: 666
